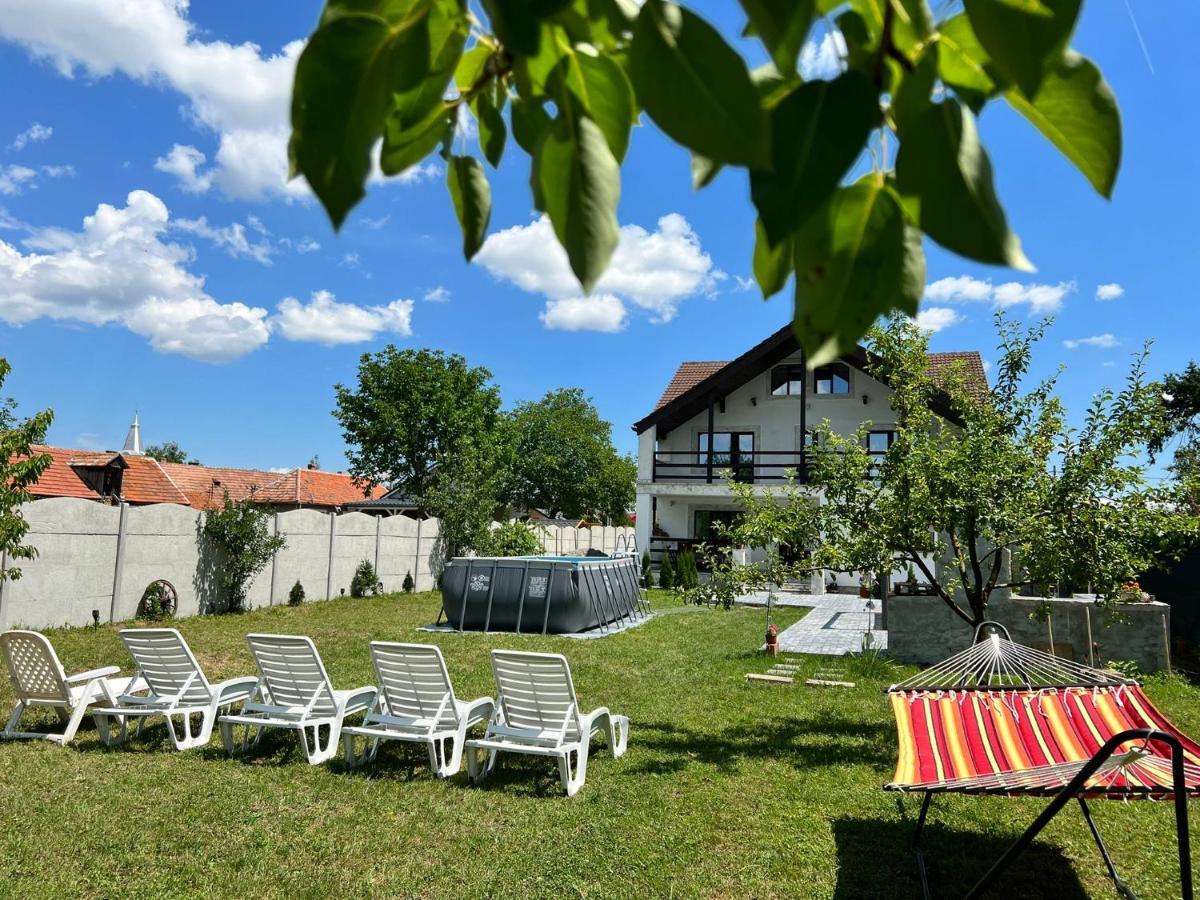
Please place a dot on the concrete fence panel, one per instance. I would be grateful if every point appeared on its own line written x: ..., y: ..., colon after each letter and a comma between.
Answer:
x: 354, y: 542
x: 305, y: 557
x: 160, y: 542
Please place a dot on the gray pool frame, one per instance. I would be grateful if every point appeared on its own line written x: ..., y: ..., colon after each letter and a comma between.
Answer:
x: 560, y: 594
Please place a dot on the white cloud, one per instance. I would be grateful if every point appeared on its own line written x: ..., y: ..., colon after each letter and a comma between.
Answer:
x: 936, y: 318
x: 118, y: 270
x: 375, y: 224
x: 1110, y: 291
x: 438, y: 294
x: 326, y: 321
x: 307, y: 245
x: 744, y: 284
x: 350, y: 261
x: 14, y: 179
x: 1040, y: 298
x: 63, y: 171
x: 1104, y: 341
x: 232, y: 238
x: 184, y: 163
x: 33, y: 134
x: 655, y: 270
x: 823, y: 58
x: 599, y: 312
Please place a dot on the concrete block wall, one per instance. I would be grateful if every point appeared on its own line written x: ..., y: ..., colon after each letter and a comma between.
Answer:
x: 97, y: 557
x: 923, y: 630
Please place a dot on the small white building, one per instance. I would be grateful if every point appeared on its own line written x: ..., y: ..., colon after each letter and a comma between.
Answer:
x: 752, y: 415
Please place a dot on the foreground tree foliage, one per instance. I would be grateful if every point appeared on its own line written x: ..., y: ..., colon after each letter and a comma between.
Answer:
x: 20, y: 468
x: 1005, y: 493
x: 568, y: 79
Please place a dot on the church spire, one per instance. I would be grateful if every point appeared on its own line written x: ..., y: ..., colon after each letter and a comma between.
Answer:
x: 133, y: 440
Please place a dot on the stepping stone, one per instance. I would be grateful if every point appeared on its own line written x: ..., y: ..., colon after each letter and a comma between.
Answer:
x: 768, y: 679
x: 821, y: 682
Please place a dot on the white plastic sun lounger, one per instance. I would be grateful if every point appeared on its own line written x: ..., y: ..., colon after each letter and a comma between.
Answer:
x: 537, y: 713
x: 176, y: 689
x: 38, y: 679
x: 294, y: 692
x: 416, y: 703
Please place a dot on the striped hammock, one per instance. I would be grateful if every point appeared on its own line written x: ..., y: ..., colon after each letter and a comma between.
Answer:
x: 1003, y: 718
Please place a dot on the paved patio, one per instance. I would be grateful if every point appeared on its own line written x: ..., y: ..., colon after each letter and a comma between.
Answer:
x: 834, y: 627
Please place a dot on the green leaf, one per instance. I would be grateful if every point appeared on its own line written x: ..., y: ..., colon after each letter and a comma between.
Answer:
x: 942, y: 162
x: 1075, y: 108
x: 696, y: 87
x: 912, y: 27
x: 529, y: 122
x: 911, y: 96
x: 472, y: 198
x: 343, y: 92
x: 817, y: 132
x: 471, y: 66
x: 772, y: 265
x: 580, y: 184
x: 533, y: 72
x: 601, y: 87
x: 782, y: 26
x: 448, y: 28
x: 517, y: 22
x: 404, y: 148
x: 855, y: 260
x: 962, y: 62
x: 1023, y: 44
x: 492, y: 131
x: 704, y: 170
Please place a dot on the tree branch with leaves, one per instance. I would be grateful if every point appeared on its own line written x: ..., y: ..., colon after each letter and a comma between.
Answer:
x: 20, y: 469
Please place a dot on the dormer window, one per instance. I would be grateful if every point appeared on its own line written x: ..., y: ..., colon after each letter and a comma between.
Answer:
x: 832, y: 379
x: 787, y: 381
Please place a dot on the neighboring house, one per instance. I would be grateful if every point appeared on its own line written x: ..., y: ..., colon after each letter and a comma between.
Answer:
x: 753, y: 415
x: 139, y: 480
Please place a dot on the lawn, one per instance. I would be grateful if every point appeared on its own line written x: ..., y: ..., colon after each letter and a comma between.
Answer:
x: 727, y: 789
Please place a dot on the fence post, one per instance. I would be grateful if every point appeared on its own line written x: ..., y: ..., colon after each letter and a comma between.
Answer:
x: 119, y: 565
x: 332, y: 543
x: 417, y: 560
x: 4, y: 592
x: 378, y: 535
x: 274, y: 565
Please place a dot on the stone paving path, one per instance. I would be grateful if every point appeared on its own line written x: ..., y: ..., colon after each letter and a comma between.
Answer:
x: 834, y: 627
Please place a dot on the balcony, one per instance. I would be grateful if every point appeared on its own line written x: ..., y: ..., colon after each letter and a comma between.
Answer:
x: 749, y: 467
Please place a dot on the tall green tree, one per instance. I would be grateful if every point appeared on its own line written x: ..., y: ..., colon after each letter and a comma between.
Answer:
x: 993, y: 483
x: 167, y: 451
x: 563, y: 459
x: 429, y: 424
x: 20, y: 468
x: 568, y: 79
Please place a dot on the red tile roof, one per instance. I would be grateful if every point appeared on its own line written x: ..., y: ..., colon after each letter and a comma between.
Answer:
x: 60, y: 480
x: 145, y: 480
x: 690, y: 374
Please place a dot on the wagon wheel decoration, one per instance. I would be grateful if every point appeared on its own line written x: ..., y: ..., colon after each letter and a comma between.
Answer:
x: 159, y: 600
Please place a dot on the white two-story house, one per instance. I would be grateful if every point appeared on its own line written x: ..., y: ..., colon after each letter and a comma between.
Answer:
x: 751, y: 415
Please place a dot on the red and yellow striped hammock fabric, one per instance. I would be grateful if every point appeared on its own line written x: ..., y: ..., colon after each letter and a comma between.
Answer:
x: 996, y: 741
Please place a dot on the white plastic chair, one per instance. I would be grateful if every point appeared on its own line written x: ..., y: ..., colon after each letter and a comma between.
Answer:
x: 537, y: 713
x: 176, y: 688
x: 38, y: 679
x: 416, y: 703
x: 294, y: 692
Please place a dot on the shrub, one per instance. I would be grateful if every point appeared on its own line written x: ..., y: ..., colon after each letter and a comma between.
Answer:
x: 513, y: 539
x: 364, y: 583
x: 244, y: 545
x: 688, y: 575
x: 409, y: 585
x: 666, y: 573
x: 647, y: 575
x: 296, y: 594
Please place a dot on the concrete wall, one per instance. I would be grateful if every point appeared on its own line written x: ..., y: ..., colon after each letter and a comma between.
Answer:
x: 923, y: 630
x: 97, y: 557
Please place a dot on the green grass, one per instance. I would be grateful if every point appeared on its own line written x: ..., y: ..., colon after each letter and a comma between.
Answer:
x: 727, y: 790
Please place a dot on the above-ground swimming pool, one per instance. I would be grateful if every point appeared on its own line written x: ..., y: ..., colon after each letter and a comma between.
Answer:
x: 541, y: 594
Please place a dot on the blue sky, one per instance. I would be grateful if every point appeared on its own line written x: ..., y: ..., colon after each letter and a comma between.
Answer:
x: 153, y: 258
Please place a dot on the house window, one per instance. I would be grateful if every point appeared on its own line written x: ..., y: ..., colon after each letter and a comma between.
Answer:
x: 730, y: 450
x: 707, y: 523
x: 878, y: 442
x: 787, y: 381
x: 832, y: 379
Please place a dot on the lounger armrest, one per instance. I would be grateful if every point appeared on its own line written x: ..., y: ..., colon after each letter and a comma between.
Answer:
x: 359, y: 699
x: 478, y: 710
x: 587, y: 721
x: 92, y: 674
x: 235, y: 688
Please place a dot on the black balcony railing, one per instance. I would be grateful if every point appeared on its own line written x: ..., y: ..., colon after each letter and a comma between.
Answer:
x: 746, y: 466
